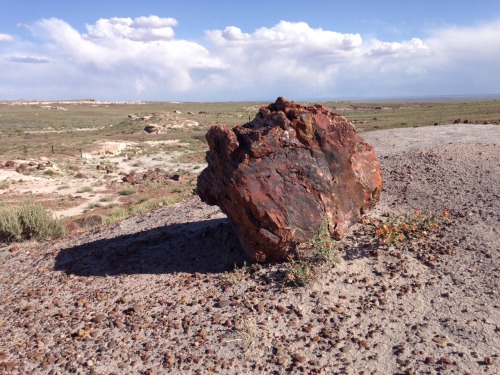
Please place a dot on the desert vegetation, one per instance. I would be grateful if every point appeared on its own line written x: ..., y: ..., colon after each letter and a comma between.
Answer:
x: 73, y: 161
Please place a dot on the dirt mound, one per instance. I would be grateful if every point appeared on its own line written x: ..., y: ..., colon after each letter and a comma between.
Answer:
x: 161, y: 121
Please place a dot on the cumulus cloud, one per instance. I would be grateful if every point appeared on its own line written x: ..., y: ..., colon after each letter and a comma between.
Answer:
x: 125, y: 57
x: 141, y: 58
x: 296, y: 58
x: 144, y: 29
x: 286, y: 36
x: 414, y: 46
x: 6, y: 38
x: 153, y: 22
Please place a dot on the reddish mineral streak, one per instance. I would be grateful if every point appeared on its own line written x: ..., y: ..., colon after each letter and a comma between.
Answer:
x: 280, y: 175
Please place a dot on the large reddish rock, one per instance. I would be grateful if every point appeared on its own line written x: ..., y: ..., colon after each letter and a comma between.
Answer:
x: 281, y: 175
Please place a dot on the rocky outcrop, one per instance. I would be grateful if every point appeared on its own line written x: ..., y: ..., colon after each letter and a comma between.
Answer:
x: 281, y: 175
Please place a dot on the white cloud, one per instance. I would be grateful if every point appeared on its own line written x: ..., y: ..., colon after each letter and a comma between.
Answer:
x: 286, y: 35
x: 6, y: 38
x: 414, y: 46
x: 296, y: 60
x: 125, y: 58
x: 153, y: 22
x: 144, y: 29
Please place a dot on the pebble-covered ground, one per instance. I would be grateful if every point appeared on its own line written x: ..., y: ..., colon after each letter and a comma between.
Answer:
x: 156, y: 294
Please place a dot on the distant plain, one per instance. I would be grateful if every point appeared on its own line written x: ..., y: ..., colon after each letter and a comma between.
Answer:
x: 71, y: 139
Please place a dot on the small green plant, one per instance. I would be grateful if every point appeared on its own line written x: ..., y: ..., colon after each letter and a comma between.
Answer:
x: 398, y: 229
x: 235, y: 276
x: 324, y: 248
x: 302, y: 269
x: 4, y: 185
x: 298, y: 273
x: 246, y: 329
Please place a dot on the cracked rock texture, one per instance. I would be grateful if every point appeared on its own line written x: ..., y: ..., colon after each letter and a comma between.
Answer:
x: 280, y: 175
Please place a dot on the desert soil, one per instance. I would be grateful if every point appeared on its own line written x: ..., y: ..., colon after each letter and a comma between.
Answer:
x: 155, y: 293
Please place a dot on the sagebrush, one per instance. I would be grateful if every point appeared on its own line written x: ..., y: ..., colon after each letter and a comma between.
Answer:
x: 28, y: 222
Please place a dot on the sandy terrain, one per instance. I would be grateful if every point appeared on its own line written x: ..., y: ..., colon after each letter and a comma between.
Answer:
x: 123, y: 157
x: 149, y: 295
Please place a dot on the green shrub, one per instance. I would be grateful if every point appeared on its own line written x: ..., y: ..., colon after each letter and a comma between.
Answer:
x: 28, y: 222
x: 37, y: 223
x: 10, y: 227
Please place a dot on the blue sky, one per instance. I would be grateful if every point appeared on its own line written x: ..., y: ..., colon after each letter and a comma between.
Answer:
x: 249, y: 50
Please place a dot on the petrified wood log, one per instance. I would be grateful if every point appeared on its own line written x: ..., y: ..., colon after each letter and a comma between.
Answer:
x: 280, y: 175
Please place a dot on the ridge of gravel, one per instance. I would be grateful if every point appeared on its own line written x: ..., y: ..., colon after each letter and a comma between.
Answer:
x: 147, y: 295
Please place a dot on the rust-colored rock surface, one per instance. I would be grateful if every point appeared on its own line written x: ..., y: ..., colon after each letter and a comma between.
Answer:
x: 280, y: 175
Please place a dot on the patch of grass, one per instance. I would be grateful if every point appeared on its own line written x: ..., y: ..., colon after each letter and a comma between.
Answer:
x: 85, y: 189
x: 28, y: 222
x: 127, y: 191
x: 141, y: 199
x: 116, y: 214
x: 48, y: 172
x: 4, y: 185
x: 91, y: 206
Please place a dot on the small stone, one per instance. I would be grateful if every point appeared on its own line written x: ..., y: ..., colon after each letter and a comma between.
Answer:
x: 298, y: 358
x: 429, y: 360
x: 364, y: 344
x: 136, y: 308
x: 280, y: 309
x: 223, y: 303
x: 440, y: 340
x: 125, y: 298
x: 446, y: 361
x: 282, y: 361
x: 169, y: 359
x: 99, y: 318
x: 8, y: 366
x: 400, y: 361
x: 488, y: 361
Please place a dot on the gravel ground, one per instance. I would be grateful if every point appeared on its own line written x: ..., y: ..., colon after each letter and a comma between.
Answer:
x: 154, y: 295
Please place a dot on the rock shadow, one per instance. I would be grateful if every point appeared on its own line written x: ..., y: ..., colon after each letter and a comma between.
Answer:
x: 208, y: 246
